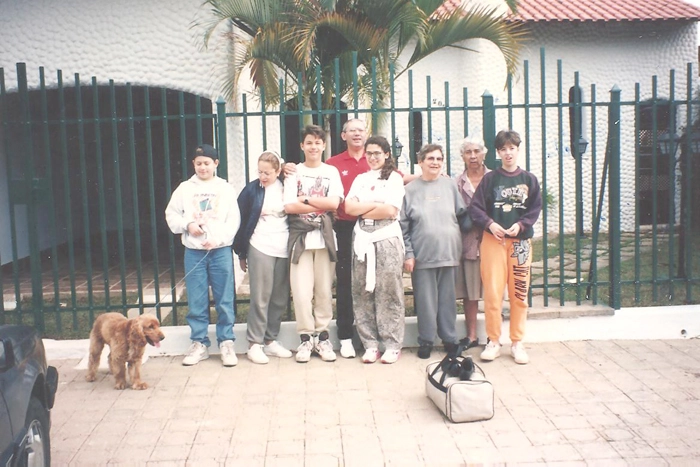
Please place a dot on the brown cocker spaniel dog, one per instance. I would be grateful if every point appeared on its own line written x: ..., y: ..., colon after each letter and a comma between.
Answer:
x: 127, y: 339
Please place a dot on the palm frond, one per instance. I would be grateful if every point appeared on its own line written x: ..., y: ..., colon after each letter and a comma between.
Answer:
x: 304, y: 39
x: 478, y: 23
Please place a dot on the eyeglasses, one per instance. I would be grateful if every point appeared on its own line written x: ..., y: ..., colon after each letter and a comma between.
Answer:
x: 374, y: 154
x: 354, y: 130
x: 435, y: 159
x: 474, y: 151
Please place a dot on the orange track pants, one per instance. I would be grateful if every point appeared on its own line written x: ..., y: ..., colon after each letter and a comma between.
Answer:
x: 505, y: 263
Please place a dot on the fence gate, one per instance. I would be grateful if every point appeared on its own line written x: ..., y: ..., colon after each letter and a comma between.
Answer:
x: 89, y: 170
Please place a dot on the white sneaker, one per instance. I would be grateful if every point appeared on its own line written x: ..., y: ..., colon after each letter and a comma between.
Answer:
x: 228, y: 353
x: 304, y: 351
x: 370, y: 356
x: 491, y: 351
x: 391, y: 356
x: 275, y: 349
x: 256, y: 355
x: 519, y: 354
x: 347, y: 350
x: 195, y: 354
x: 324, y: 349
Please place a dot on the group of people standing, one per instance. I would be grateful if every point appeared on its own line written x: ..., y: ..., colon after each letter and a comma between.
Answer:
x: 357, y: 214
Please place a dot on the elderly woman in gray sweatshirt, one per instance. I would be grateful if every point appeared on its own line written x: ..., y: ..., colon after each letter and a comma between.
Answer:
x: 430, y: 216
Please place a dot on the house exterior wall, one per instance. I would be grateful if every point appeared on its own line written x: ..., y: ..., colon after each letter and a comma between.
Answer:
x: 605, y: 55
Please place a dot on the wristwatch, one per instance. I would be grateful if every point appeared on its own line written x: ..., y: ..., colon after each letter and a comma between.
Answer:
x: 306, y: 200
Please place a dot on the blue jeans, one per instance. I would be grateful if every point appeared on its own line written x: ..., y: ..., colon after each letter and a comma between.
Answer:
x: 204, y: 268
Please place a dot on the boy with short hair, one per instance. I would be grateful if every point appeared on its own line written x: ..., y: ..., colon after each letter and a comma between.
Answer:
x: 204, y: 210
x: 310, y: 195
x: 506, y: 204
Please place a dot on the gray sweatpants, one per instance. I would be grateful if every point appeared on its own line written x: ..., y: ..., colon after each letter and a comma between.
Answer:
x: 380, y: 315
x: 269, y: 295
x: 436, y: 308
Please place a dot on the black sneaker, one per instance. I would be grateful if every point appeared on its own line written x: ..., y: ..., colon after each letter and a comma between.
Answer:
x: 424, y: 351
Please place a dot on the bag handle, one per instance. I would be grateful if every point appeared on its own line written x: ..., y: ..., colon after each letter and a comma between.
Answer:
x: 480, y: 370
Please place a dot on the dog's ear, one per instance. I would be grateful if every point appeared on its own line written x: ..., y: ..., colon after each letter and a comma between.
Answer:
x: 135, y: 332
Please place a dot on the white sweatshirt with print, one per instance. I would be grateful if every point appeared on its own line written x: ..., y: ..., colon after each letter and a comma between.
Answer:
x: 211, y: 204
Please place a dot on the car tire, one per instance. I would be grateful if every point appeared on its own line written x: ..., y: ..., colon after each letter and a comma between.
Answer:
x: 36, y: 450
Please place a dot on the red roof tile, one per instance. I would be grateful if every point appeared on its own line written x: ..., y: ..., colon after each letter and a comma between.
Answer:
x: 604, y: 10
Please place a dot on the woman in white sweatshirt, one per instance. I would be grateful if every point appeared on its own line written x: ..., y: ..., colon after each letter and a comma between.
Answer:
x: 377, y: 263
x: 204, y: 210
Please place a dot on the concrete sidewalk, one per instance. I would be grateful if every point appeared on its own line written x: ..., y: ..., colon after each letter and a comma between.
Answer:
x: 617, y: 402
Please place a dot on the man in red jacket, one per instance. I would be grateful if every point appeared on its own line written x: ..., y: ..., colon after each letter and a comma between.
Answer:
x: 350, y: 164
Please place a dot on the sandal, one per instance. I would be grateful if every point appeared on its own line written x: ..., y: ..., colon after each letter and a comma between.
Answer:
x: 468, y: 343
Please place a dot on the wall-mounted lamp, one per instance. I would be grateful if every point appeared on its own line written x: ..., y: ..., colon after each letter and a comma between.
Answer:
x: 667, y: 143
x: 398, y: 148
x: 582, y: 146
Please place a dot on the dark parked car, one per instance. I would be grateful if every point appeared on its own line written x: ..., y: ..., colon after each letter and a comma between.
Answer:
x: 27, y: 392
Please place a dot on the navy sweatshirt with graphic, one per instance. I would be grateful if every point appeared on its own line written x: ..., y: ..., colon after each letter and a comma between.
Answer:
x: 506, y: 198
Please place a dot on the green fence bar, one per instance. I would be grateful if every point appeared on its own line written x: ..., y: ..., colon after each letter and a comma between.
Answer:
x: 488, y: 118
x: 86, y: 207
x: 185, y: 150
x: 117, y: 179
x: 198, y: 117
x: 576, y: 132
x: 168, y: 193
x: 428, y: 106
x: 526, y: 103
x: 448, y: 140
x: 67, y: 199
x: 131, y: 141
x: 637, y: 176
x: 222, y: 143
x: 614, y: 202
x: 373, y: 105
x: 560, y: 166
x: 45, y: 137
x: 685, y: 253
x: 655, y: 202
x: 544, y: 184
x: 672, y: 185
x: 101, y: 192
x: 263, y: 107
x: 412, y: 149
x: 151, y: 198
x: 355, y: 86
x: 246, y: 147
x: 592, y: 287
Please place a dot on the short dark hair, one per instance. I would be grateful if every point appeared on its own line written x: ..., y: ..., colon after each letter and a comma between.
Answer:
x: 507, y: 137
x: 314, y: 130
x: 429, y: 148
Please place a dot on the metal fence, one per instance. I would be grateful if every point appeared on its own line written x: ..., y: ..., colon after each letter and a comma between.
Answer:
x: 89, y: 169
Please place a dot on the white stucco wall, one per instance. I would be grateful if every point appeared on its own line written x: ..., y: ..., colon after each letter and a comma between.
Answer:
x: 128, y: 41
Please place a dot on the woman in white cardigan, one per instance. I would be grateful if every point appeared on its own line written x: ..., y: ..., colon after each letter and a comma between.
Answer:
x: 377, y: 264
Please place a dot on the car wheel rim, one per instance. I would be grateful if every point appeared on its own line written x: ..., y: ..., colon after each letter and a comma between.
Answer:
x: 34, y: 447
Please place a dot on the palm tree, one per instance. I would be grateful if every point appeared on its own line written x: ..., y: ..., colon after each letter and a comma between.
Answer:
x: 330, y: 48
